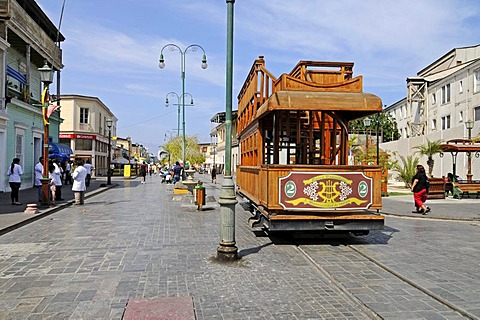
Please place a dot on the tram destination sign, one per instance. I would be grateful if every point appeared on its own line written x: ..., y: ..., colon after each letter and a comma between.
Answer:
x: 325, y: 191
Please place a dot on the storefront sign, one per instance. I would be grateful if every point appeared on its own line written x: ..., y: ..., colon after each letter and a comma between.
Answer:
x: 325, y: 191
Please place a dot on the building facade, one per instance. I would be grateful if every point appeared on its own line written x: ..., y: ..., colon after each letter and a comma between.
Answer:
x: 217, y: 137
x: 28, y: 40
x: 85, y: 130
x: 440, y: 100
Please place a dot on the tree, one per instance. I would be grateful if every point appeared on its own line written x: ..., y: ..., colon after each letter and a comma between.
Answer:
x: 387, y: 127
x: 429, y: 149
x: 407, y: 169
x: 192, y: 151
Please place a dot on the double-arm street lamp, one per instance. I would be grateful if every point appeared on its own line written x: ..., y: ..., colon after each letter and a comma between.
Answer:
x: 469, y: 125
x: 178, y: 105
x: 161, y: 64
x: 46, y: 76
x: 109, y: 156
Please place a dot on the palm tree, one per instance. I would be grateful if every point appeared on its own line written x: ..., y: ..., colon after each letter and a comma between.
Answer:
x: 429, y: 149
x: 407, y: 169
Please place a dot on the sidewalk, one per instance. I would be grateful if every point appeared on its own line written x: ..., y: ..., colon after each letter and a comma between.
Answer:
x: 13, y: 216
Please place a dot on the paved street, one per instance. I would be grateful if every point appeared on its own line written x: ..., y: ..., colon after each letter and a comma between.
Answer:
x: 141, y: 241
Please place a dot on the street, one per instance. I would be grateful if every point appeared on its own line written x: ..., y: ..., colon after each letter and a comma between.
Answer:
x: 142, y: 241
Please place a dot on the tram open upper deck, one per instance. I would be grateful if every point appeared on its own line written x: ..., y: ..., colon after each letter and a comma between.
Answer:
x: 293, y: 136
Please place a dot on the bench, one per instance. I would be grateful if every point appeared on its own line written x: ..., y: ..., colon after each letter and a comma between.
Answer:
x: 467, y: 187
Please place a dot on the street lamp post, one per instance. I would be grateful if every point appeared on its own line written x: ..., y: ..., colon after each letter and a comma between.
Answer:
x: 178, y: 105
x: 109, y: 156
x: 469, y: 125
x: 366, y: 123
x: 46, y: 76
x: 161, y: 64
x: 227, y: 249
x: 377, y: 127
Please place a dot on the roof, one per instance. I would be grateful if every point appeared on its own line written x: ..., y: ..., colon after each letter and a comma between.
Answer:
x: 355, y: 104
x: 460, y: 145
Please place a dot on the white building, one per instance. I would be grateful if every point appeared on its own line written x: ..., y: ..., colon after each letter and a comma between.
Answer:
x: 441, y: 98
x: 85, y: 129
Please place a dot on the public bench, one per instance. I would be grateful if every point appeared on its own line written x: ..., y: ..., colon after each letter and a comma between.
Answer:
x: 468, y: 187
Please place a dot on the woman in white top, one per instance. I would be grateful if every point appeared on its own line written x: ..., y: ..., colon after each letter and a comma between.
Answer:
x: 15, y: 181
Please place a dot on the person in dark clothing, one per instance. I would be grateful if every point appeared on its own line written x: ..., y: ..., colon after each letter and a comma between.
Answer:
x: 143, y: 171
x: 214, y: 175
x: 177, y: 172
x: 420, y: 190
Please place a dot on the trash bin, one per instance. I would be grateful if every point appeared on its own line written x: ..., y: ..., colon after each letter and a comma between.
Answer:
x: 199, y: 195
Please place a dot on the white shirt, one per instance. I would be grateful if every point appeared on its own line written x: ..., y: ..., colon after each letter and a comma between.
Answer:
x: 38, y: 173
x: 79, y: 175
x: 15, y: 175
x: 88, y: 167
x: 57, y: 175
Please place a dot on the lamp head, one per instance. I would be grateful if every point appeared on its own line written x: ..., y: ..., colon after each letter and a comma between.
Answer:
x: 166, y: 102
x: 109, y: 123
x: 161, y: 62
x: 191, y: 100
x: 46, y: 74
x: 367, y: 122
x: 469, y: 124
x: 204, y: 62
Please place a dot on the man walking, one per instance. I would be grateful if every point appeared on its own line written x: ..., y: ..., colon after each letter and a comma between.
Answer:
x: 38, y: 176
x: 88, y: 166
x: 78, y: 187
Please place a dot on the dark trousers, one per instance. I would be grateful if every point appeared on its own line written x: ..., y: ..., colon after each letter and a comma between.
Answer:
x: 87, y: 180
x: 15, y: 186
x: 58, y: 193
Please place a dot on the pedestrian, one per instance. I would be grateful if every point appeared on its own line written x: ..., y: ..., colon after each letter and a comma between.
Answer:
x: 68, y: 172
x: 52, y: 184
x: 420, y: 186
x: 88, y: 167
x: 79, y: 176
x: 177, y: 172
x: 15, y: 171
x: 214, y: 175
x: 57, y: 177
x: 143, y: 171
x: 38, y: 176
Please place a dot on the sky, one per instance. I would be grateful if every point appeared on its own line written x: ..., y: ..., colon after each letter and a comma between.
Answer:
x: 112, y: 49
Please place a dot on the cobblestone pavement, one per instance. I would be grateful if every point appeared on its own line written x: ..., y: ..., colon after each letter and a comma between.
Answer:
x: 141, y: 241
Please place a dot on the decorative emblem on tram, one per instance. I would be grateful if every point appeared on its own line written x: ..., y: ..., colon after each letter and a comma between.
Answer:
x: 325, y: 191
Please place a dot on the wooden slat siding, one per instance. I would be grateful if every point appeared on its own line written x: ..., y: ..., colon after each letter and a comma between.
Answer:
x: 4, y: 8
x: 262, y: 184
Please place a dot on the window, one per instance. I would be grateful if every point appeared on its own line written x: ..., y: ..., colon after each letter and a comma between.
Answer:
x: 19, y: 146
x: 460, y: 86
x: 446, y: 93
x: 434, y: 124
x: 446, y: 122
x: 476, y: 81
x: 83, y: 144
x: 460, y: 116
x: 477, y: 113
x: 434, y: 98
x: 84, y: 115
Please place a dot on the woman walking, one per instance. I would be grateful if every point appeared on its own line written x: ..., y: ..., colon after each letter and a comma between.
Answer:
x: 420, y: 190
x: 15, y: 181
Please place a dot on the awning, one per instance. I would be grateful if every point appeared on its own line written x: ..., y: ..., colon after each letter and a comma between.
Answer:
x: 58, y: 148
x: 16, y: 75
x: 120, y: 160
x: 354, y: 104
x: 460, y: 145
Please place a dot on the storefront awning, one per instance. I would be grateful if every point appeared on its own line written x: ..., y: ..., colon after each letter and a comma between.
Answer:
x: 58, y: 148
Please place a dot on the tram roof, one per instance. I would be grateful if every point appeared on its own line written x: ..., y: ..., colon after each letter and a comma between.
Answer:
x: 354, y: 104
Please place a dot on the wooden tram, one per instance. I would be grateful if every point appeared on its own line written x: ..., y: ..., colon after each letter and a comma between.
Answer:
x: 294, y: 150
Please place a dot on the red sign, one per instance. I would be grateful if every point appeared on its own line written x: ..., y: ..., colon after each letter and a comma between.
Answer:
x: 320, y: 191
x: 77, y: 136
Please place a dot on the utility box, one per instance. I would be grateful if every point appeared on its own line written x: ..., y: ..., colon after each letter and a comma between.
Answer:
x: 199, y: 195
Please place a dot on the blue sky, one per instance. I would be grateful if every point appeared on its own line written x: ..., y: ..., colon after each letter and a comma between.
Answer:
x: 112, y: 48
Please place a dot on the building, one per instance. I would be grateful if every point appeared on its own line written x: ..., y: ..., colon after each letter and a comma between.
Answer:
x: 85, y: 130
x: 441, y: 99
x: 28, y: 40
x: 217, y: 136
